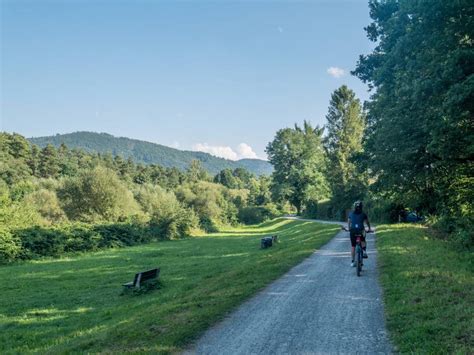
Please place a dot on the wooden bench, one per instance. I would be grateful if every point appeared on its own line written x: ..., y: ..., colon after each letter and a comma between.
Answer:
x: 266, y: 242
x: 143, y: 277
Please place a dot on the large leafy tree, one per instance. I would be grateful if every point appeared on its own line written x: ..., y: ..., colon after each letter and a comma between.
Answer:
x: 421, y: 141
x: 96, y: 195
x: 297, y: 156
x: 345, y: 128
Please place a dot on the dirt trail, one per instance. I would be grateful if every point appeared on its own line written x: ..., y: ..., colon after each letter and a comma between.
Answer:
x: 319, y: 307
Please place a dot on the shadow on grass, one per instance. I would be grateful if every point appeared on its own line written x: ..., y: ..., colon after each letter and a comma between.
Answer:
x: 202, y: 279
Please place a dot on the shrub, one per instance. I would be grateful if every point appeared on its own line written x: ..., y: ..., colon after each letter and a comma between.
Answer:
x: 320, y: 210
x: 257, y: 214
x: 38, y: 241
x: 79, y: 237
x: 151, y: 197
x: 213, y: 203
x: 97, y: 195
x: 47, y: 205
x: 122, y: 234
x: 10, y: 247
x: 170, y: 219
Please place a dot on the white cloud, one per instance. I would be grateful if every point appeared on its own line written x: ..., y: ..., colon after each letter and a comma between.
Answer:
x: 280, y: 29
x: 243, y: 151
x: 218, y: 151
x: 336, y: 72
x: 246, y: 151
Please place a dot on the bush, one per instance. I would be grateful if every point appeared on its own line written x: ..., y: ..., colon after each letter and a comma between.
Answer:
x: 10, y: 247
x: 321, y: 210
x: 82, y: 237
x: 38, y: 241
x: 121, y: 235
x: 257, y: 214
x: 47, y: 205
x: 170, y: 219
x: 97, y: 195
x: 211, y: 202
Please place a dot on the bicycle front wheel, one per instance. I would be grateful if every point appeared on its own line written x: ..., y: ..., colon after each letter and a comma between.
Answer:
x: 358, y: 260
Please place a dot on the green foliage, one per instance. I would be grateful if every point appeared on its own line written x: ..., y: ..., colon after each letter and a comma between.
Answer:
x: 196, y: 172
x: 212, y: 203
x: 170, y: 218
x: 97, y: 195
x: 257, y: 214
x: 47, y: 204
x: 298, y: 158
x: 61, y: 239
x: 10, y: 247
x: 13, y: 215
x: 227, y: 178
x: 149, y: 153
x: 49, y: 162
x: 420, y: 146
x: 14, y: 150
x: 345, y: 128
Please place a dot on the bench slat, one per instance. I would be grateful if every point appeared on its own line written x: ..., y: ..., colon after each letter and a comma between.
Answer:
x: 143, y: 276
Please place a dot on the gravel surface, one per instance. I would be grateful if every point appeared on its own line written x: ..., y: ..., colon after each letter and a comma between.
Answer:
x: 319, y: 307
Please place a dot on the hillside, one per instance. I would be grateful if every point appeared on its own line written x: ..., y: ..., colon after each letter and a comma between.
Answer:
x: 149, y: 153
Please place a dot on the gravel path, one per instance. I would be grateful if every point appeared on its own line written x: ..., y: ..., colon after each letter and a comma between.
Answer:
x: 319, y: 307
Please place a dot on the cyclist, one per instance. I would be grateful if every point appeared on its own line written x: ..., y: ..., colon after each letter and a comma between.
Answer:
x: 355, y: 225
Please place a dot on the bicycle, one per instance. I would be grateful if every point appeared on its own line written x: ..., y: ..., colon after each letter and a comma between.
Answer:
x: 359, y: 252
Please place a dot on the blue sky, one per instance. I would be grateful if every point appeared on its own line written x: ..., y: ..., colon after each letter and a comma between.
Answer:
x: 217, y: 76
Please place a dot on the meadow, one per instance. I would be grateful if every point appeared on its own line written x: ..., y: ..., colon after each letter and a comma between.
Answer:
x: 428, y: 290
x: 76, y: 303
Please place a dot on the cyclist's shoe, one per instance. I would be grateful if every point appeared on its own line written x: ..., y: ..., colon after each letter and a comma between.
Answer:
x: 365, y: 255
x: 353, y: 264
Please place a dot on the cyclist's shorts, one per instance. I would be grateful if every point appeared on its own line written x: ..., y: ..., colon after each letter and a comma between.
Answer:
x: 353, y: 237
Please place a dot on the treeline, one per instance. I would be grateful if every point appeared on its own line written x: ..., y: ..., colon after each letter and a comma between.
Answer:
x: 56, y: 200
x: 320, y: 174
x: 148, y: 153
x: 412, y: 147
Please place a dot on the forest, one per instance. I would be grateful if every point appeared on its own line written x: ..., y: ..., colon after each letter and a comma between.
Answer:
x: 63, y: 200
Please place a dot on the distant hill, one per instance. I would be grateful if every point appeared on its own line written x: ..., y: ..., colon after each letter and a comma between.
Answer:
x: 149, y: 153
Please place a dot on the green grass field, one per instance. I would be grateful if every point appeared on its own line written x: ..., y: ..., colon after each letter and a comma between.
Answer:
x: 428, y: 291
x: 75, y: 304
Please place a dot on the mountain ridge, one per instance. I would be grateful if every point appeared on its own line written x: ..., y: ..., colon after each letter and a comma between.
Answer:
x: 148, y: 152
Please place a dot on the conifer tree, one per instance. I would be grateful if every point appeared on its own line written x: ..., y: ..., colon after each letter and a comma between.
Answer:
x: 345, y: 129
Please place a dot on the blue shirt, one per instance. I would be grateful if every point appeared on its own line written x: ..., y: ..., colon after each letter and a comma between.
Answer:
x: 357, y: 220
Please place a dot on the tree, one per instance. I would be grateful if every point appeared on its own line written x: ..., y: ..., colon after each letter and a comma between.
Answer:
x: 420, y: 145
x: 14, y: 156
x: 297, y: 156
x: 196, y: 172
x: 47, y: 205
x: 49, y: 162
x: 170, y: 217
x: 226, y: 178
x: 97, y: 195
x: 33, y: 160
x: 345, y: 128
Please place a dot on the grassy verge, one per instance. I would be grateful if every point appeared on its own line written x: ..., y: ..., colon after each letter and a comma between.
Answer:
x: 75, y: 304
x: 428, y: 291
